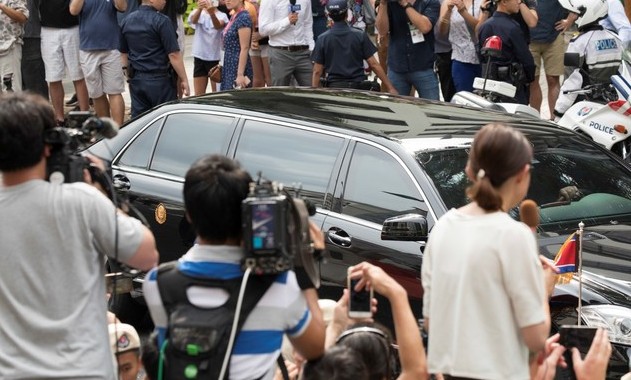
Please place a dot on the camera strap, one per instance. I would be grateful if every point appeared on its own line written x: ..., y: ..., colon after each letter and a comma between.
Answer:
x: 198, y: 337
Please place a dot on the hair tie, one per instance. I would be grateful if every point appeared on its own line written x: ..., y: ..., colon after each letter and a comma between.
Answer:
x: 481, y: 174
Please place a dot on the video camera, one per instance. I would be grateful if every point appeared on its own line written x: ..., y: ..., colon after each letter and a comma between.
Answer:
x: 83, y: 128
x: 276, y: 231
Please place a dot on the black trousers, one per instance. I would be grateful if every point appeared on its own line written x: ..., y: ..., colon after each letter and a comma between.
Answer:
x: 443, y: 68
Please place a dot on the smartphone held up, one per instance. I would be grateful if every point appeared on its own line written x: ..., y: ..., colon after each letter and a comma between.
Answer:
x: 359, y: 302
x: 580, y: 337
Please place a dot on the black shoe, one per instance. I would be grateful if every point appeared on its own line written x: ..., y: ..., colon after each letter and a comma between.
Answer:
x: 72, y: 101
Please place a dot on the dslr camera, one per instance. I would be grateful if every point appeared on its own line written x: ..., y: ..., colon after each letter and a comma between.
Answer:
x: 83, y: 128
x: 276, y: 231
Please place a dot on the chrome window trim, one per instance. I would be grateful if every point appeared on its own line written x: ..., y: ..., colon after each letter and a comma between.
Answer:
x: 245, y: 118
x: 155, y: 174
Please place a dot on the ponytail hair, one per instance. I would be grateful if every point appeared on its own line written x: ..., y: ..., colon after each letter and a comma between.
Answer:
x: 498, y: 152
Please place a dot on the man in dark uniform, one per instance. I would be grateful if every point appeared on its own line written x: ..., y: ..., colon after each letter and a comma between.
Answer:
x: 515, y: 65
x: 340, y: 53
x: 527, y: 16
x: 155, y: 64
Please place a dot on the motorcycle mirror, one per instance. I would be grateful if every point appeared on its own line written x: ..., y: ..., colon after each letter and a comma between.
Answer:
x: 572, y: 59
x: 492, y: 47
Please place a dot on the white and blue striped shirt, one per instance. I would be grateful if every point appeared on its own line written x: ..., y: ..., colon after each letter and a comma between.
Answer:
x: 281, y: 310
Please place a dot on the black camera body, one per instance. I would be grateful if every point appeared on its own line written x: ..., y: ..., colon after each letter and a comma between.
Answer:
x: 83, y: 128
x: 63, y: 166
x: 276, y: 231
x: 269, y: 229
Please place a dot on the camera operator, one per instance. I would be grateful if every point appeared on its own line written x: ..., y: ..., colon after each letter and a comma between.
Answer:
x: 214, y: 189
x: 54, y: 238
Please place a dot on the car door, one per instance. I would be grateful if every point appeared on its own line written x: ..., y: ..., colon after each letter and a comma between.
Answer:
x: 298, y: 157
x: 153, y: 164
x: 375, y: 185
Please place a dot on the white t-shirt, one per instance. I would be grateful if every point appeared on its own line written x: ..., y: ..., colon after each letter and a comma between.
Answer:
x: 52, y: 286
x: 207, y: 39
x: 483, y: 282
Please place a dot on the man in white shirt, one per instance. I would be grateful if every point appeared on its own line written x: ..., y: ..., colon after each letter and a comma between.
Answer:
x: 618, y: 22
x: 289, y: 25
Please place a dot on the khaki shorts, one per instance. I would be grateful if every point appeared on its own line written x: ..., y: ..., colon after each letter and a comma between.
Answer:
x: 60, y: 49
x: 262, y: 51
x: 552, y: 55
x: 103, y: 72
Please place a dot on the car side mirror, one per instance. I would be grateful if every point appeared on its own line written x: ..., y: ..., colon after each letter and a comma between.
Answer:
x: 572, y: 59
x: 409, y: 227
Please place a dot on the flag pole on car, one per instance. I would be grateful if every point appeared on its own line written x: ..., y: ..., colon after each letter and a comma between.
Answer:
x: 569, y: 261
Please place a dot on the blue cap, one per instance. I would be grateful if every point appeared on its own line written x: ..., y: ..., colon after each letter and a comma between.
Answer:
x: 337, y: 6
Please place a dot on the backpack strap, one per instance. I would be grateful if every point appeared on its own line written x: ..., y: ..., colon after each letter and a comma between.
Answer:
x: 172, y: 284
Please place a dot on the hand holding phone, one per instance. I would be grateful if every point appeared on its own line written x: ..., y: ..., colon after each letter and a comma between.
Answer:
x: 359, y: 302
x: 572, y: 336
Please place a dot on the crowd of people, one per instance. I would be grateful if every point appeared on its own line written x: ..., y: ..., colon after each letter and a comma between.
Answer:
x: 52, y: 287
x: 216, y: 319
x: 428, y: 47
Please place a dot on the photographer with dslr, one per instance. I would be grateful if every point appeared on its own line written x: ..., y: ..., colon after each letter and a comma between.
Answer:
x: 54, y: 238
x: 192, y: 301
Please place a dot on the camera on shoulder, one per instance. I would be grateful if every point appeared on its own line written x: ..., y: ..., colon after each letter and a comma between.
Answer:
x: 83, y: 129
x: 276, y: 231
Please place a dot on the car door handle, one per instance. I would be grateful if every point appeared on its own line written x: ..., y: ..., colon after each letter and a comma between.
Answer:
x: 336, y: 238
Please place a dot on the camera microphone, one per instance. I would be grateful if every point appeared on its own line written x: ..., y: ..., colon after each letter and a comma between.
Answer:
x: 103, y: 126
x: 529, y: 214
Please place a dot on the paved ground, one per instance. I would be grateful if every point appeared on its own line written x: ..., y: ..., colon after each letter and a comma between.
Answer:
x: 188, y: 63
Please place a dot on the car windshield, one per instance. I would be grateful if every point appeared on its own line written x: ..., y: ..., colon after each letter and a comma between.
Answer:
x: 572, y: 181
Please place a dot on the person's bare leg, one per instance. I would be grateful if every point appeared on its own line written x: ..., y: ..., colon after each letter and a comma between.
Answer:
x: 213, y: 86
x: 117, y: 108
x: 266, y: 71
x: 101, y: 106
x: 200, y: 84
x: 257, y: 71
x: 82, y: 94
x: 535, y: 94
x: 554, y: 88
x: 56, y: 90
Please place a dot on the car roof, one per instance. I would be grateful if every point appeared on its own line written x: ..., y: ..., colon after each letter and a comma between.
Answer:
x: 398, y: 117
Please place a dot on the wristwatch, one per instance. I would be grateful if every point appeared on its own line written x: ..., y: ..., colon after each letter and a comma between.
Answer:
x: 407, y: 5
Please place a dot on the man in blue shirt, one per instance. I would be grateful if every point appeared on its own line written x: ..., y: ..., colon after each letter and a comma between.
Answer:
x: 341, y: 51
x: 99, y: 39
x: 515, y: 59
x: 411, y: 47
x: 149, y: 45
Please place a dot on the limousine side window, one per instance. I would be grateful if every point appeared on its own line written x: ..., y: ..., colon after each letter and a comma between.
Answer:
x: 139, y: 151
x: 186, y: 137
x: 290, y: 156
x: 378, y: 187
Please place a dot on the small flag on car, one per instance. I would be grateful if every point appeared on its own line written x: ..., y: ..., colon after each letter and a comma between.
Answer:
x: 567, y: 260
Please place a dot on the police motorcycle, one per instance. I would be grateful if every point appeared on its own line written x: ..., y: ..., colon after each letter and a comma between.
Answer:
x: 604, y: 113
x: 493, y: 94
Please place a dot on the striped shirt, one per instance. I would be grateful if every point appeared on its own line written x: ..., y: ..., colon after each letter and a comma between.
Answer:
x: 281, y: 310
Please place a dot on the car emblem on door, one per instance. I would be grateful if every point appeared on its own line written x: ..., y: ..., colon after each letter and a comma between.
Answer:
x: 161, y: 213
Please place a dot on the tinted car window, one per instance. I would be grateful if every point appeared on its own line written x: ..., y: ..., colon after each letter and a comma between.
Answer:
x: 186, y: 136
x: 571, y: 181
x: 378, y: 187
x: 139, y: 151
x: 290, y: 156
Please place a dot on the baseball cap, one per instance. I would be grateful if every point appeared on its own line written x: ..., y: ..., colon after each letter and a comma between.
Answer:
x: 123, y: 338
